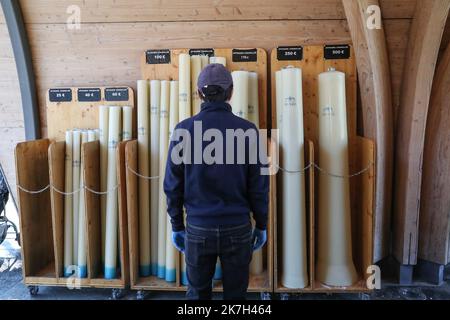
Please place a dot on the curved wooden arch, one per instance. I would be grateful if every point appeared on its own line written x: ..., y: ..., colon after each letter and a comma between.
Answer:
x: 377, y: 112
x: 435, y: 201
x: 423, y: 48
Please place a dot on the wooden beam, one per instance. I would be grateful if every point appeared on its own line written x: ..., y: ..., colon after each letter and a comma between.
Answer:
x: 435, y: 201
x: 423, y: 48
x: 377, y: 111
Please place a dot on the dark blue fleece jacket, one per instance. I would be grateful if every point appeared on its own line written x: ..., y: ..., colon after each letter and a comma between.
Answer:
x: 216, y: 194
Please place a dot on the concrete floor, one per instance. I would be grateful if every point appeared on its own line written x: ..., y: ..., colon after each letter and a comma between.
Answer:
x: 12, y: 287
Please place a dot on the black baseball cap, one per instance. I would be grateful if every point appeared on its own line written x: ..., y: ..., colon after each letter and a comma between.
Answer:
x: 215, y: 75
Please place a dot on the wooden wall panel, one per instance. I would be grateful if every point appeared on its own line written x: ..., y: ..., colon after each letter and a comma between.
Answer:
x: 99, y: 11
x: 11, y: 116
x: 424, y: 44
x: 435, y: 201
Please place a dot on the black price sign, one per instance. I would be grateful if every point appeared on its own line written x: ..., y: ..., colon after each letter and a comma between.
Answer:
x: 89, y: 95
x: 245, y: 55
x: 116, y: 94
x: 158, y: 56
x: 290, y: 53
x: 60, y: 95
x: 336, y: 52
x: 202, y: 52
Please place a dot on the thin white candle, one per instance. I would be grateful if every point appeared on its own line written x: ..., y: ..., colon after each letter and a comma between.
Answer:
x: 127, y: 126
x: 143, y: 119
x: 82, y: 241
x: 111, y: 199
x: 239, y: 100
x: 103, y: 137
x: 68, y: 206
x: 184, y: 87
x: 196, y: 68
x: 76, y: 189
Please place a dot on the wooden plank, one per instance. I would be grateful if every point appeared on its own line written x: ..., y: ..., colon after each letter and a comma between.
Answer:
x: 434, y: 232
x: 170, y: 72
x: 55, y: 11
x: 423, y: 48
x: 91, y: 162
x: 34, y: 209
x: 377, y: 113
x: 56, y: 157
x: 123, y: 224
x: 63, y: 116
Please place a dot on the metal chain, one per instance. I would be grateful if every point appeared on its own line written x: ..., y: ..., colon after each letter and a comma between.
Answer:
x: 33, y: 192
x: 140, y: 175
x: 99, y: 193
x: 66, y: 193
x: 323, y: 171
x: 295, y: 172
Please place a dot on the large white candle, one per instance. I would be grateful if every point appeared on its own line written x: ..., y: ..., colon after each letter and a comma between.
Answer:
x: 76, y: 189
x: 111, y: 199
x: 127, y: 126
x: 184, y: 86
x: 155, y: 104
x: 196, y: 68
x: 239, y: 100
x: 68, y: 216
x: 103, y: 137
x: 253, y: 98
x: 82, y: 241
x: 143, y: 119
x: 334, y: 261
x: 219, y: 60
x: 294, y: 252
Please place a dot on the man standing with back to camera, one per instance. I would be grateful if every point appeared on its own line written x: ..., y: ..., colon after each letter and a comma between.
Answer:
x: 218, y: 197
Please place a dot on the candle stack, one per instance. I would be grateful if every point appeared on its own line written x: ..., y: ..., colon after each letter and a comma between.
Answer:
x: 158, y: 114
x: 75, y: 240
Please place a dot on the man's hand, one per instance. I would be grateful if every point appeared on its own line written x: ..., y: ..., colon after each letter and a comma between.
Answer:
x: 178, y: 240
x: 259, y: 239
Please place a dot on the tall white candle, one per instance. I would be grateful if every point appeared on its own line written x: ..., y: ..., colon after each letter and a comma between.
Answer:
x: 294, y: 252
x: 219, y: 60
x: 143, y: 119
x: 127, y: 126
x: 253, y: 98
x: 76, y: 189
x: 92, y: 136
x: 163, y: 149
x: 155, y: 104
x: 205, y: 61
x: 239, y: 100
x: 196, y: 68
x: 111, y: 199
x: 161, y: 220
x: 103, y: 137
x: 68, y: 206
x: 334, y: 260
x: 82, y: 241
x: 184, y: 86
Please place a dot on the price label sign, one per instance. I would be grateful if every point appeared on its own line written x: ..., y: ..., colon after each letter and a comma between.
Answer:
x: 245, y: 55
x: 202, y: 52
x: 60, y: 95
x: 290, y: 53
x: 158, y: 56
x: 89, y: 95
x: 336, y: 52
x: 116, y: 94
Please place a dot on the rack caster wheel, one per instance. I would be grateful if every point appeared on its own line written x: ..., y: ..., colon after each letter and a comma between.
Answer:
x: 33, y: 290
x: 285, y: 296
x: 266, y: 296
x: 117, y: 294
x: 141, y: 295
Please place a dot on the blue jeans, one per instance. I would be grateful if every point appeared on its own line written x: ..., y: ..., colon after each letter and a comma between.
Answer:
x: 233, y: 245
